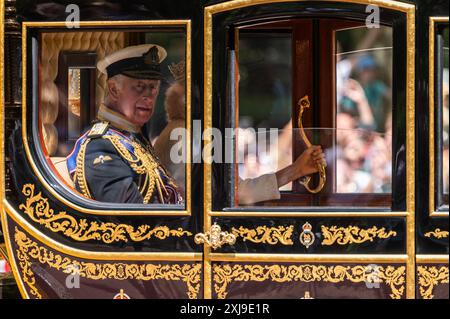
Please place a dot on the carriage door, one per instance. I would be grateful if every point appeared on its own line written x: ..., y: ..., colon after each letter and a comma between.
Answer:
x: 285, y: 76
x: 60, y: 243
x: 433, y: 179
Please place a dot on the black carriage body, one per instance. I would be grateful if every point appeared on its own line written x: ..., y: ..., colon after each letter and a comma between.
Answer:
x: 48, y: 230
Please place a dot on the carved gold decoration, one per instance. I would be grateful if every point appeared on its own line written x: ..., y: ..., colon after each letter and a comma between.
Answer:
x: 307, y: 295
x: 28, y: 250
x: 353, y: 235
x: 38, y: 209
x: 266, y: 235
x: 429, y: 277
x: 394, y: 277
x: 215, y: 238
x: 303, y: 104
x: 437, y: 233
x: 307, y: 237
x: 121, y: 295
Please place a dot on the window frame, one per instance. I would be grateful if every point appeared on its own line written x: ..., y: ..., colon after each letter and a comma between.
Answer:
x: 83, y: 60
x: 30, y: 119
x: 408, y: 38
x: 436, y: 206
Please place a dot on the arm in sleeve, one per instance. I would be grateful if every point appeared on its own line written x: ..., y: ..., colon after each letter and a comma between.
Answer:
x: 262, y: 188
x: 111, y: 180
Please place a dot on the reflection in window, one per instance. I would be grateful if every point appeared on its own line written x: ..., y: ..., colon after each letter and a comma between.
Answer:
x: 364, y: 110
x: 265, y: 101
x: 280, y: 63
x: 445, y: 113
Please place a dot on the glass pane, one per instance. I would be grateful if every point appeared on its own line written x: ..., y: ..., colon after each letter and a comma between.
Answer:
x: 143, y: 100
x: 174, y: 43
x: 445, y: 113
x: 263, y: 177
x: 364, y: 110
x: 265, y: 101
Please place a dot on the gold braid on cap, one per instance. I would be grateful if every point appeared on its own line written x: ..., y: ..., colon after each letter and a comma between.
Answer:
x: 178, y: 70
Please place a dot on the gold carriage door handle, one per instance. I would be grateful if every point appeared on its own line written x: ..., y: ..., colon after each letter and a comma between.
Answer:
x: 215, y: 238
x: 303, y: 104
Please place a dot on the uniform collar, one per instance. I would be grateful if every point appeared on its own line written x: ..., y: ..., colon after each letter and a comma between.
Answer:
x: 116, y: 119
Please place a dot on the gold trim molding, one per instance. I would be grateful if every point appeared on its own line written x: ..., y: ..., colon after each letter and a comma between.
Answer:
x: 429, y: 277
x: 431, y: 114
x: 310, y: 258
x: 394, y: 277
x: 353, y: 235
x: 432, y: 259
x: 144, y: 209
x: 437, y: 233
x: 29, y: 251
x: 38, y: 209
x: 266, y: 235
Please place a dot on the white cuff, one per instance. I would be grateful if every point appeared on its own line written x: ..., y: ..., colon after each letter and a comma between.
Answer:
x: 262, y: 188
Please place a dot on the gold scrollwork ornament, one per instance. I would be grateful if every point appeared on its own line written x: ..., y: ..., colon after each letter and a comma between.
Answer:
x: 437, y: 233
x: 215, y: 238
x: 353, y: 234
x: 266, y: 235
x: 38, y: 209
x: 307, y: 237
x: 29, y: 252
x: 225, y: 274
x: 429, y: 277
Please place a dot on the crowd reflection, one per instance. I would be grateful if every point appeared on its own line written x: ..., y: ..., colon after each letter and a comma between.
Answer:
x: 364, y: 127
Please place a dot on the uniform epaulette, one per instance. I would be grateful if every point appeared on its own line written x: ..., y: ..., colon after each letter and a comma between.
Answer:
x: 98, y: 129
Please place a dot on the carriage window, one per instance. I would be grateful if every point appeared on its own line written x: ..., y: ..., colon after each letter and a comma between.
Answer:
x: 266, y: 105
x: 301, y: 89
x: 108, y: 102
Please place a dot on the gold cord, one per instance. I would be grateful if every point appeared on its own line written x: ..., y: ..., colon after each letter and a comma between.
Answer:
x: 80, y: 174
x: 142, y: 164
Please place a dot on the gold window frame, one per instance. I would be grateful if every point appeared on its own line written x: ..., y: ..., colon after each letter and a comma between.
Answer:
x: 409, y: 10
x: 187, y: 211
x: 432, y: 108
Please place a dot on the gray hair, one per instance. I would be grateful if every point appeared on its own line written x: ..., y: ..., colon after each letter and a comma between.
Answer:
x: 118, y: 79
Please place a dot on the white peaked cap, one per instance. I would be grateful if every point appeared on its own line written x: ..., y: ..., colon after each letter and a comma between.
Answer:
x: 133, y: 51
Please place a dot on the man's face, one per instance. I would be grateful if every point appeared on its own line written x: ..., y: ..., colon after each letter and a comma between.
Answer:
x: 136, y: 99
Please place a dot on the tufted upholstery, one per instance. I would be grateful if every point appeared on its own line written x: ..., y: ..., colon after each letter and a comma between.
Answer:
x: 103, y: 43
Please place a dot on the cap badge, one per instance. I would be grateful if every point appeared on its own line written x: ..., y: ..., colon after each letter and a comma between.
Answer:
x: 152, y: 56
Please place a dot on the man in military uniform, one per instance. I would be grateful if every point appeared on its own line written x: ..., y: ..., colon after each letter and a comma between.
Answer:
x: 113, y: 161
